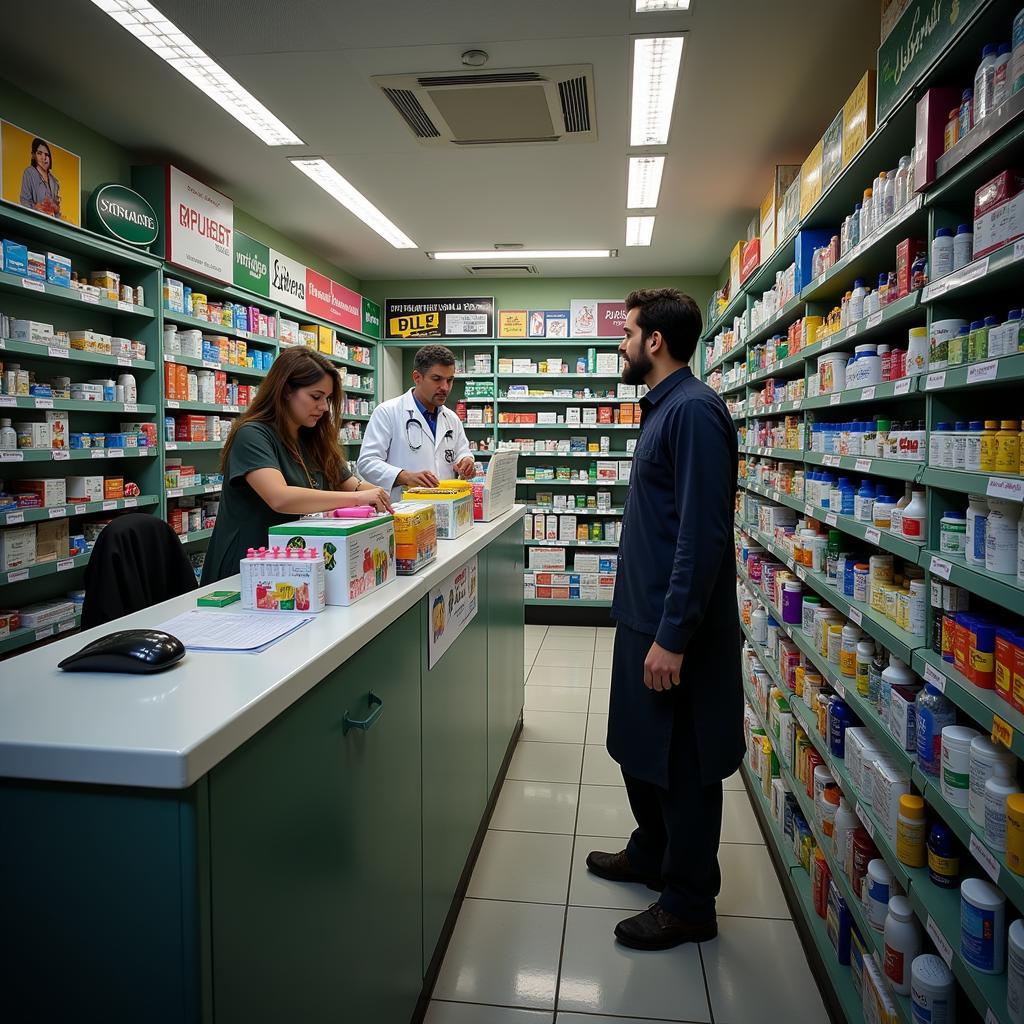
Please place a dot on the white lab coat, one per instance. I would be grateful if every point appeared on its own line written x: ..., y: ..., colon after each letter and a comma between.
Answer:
x: 398, y: 438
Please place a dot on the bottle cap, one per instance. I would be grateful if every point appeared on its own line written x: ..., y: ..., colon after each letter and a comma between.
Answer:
x: 988, y: 51
x: 965, y: 229
x: 944, y: 233
x: 911, y: 806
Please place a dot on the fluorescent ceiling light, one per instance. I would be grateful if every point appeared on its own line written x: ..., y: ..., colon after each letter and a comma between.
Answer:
x: 166, y: 40
x: 655, y: 73
x: 526, y: 254
x: 349, y: 196
x: 645, y: 6
x: 644, y: 182
x: 639, y: 230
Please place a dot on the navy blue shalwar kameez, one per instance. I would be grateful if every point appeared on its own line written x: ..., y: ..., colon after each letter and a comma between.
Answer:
x: 676, y: 585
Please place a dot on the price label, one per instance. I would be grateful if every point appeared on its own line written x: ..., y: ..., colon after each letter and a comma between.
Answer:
x: 834, y: 461
x: 981, y: 372
x: 935, y: 677
x: 940, y: 567
x: 8, y: 402
x: 109, y: 506
x: 802, y: 573
x: 56, y: 352
x: 1018, y: 249
x: 822, y: 278
x: 903, y: 386
x: 212, y: 488
x: 867, y: 394
x: 863, y: 465
x: 183, y: 537
x: 211, y: 364
x: 124, y: 361
x: 131, y: 502
x: 89, y: 297
x: 1002, y: 732
x: 1001, y: 487
x: 170, y: 447
x: 66, y: 626
x: 125, y: 307
x: 852, y: 330
x: 44, y: 403
x: 797, y: 403
x: 865, y: 820
x: 979, y: 268
x: 17, y: 576
x: 175, y: 492
x: 874, y: 320
x: 64, y: 564
x: 856, y: 616
x: 169, y: 357
x: 941, y: 943
x: 98, y: 453
x: 808, y: 510
x: 231, y: 408
x: 58, y: 512
x: 837, y: 397
x: 832, y: 519
x: 173, y: 403
x: 872, y: 536
x: 935, y: 381
x: 115, y: 453
x: 131, y: 407
x: 61, y: 455
x: 14, y: 518
x: 45, y: 631
x: 33, y: 286
x: 839, y: 688
x: 983, y: 855
x: 776, y: 496
x: 12, y: 456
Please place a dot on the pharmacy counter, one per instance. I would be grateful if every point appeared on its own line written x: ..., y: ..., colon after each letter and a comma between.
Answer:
x: 219, y: 842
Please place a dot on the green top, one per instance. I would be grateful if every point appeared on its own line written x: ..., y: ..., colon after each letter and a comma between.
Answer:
x: 244, y: 518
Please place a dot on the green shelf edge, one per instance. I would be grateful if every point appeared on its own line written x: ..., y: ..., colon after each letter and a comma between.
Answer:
x: 72, y: 511
x: 73, y: 356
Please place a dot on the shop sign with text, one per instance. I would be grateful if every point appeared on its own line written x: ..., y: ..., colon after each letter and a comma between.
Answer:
x: 201, y: 221
x: 120, y: 212
x: 371, y: 318
x: 252, y: 265
x: 442, y: 318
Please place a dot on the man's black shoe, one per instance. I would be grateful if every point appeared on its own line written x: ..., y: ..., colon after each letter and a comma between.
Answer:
x: 616, y: 868
x: 656, y: 928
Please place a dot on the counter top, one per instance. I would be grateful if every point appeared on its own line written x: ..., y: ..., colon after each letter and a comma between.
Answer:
x: 168, y: 730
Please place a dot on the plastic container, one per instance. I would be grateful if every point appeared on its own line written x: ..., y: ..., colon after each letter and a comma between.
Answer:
x: 984, y: 83
x: 1001, y: 536
x: 956, y: 763
x: 844, y: 826
x: 972, y: 447
x: 902, y: 944
x: 934, y: 713
x: 8, y: 437
x: 1015, y: 971
x: 759, y: 625
x: 943, y: 857
x: 932, y: 990
x: 953, y: 534
x: 910, y: 831
x: 879, y: 886
x: 963, y: 246
x: 986, y: 759
x: 848, y: 653
x: 1008, y: 447
x: 942, y: 253
x: 832, y: 372
x: 982, y: 926
x: 915, y: 517
x: 989, y: 448
x: 918, y: 354
x: 974, y: 540
x: 998, y: 790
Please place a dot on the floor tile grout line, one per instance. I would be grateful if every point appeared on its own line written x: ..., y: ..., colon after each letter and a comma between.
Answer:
x: 599, y: 906
x: 581, y: 1013
x: 707, y: 987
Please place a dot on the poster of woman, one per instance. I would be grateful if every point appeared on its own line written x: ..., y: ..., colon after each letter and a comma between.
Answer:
x: 39, y: 175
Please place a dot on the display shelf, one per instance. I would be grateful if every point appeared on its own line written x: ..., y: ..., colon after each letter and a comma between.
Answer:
x: 72, y: 356
x: 904, y: 388
x: 187, y: 492
x: 985, y: 373
x: 209, y: 327
x: 356, y: 417
x: 63, y: 455
x: 358, y: 391
x: 24, y: 637
x: 72, y: 509
x: 546, y: 376
x: 780, y: 368
x: 34, y: 572
x: 1003, y: 589
x: 193, y: 446
x: 571, y: 544
x: 563, y: 426
x: 783, y: 318
x: 535, y: 342
x: 195, y: 536
x: 980, y: 705
x: 71, y: 405
x: 355, y: 364
x: 178, y: 403
x: 550, y: 510
x: 570, y: 603
x: 890, y: 468
x: 738, y: 351
x: 790, y: 454
x: 548, y: 400
x: 1000, y: 269
x: 991, y: 484
x: 566, y: 455
x: 732, y: 308
x: 210, y: 364
x: 572, y: 483
x: 71, y: 296
x: 479, y: 401
x: 732, y: 388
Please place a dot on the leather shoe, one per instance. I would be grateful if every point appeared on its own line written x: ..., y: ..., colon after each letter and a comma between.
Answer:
x: 616, y: 868
x: 656, y: 928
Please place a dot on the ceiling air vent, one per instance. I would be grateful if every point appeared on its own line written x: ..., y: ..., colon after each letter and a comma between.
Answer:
x: 502, y: 270
x: 496, y: 108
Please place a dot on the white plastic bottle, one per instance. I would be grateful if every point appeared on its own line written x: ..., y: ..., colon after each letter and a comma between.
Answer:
x: 915, y: 517
x: 942, y: 253
x: 903, y: 183
x: 977, y: 515
x: 867, y: 223
x: 998, y: 789
x: 855, y: 310
x: 1001, y: 536
x: 933, y: 990
x: 896, y: 521
x: 1001, y: 84
x: 843, y: 827
x: 984, y: 80
x: 902, y: 943
x: 963, y: 246
x: 8, y: 437
x: 888, y: 195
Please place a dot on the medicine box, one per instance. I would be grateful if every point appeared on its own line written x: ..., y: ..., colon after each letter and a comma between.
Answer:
x: 58, y: 270
x: 84, y: 488
x: 52, y: 540
x: 287, y: 582
x: 49, y: 490
x: 359, y: 554
x: 496, y: 493
x: 607, y: 362
x: 551, y: 528
x: 17, y: 548
x: 415, y: 536
x: 998, y: 225
x: 33, y: 435
x: 453, y: 509
x: 586, y: 563
x: 32, y: 331
x: 547, y: 559
x: 46, y: 613
x: 15, y: 258
x: 572, y: 415
x: 547, y: 418
x: 567, y: 528
x: 60, y: 430
x: 590, y: 416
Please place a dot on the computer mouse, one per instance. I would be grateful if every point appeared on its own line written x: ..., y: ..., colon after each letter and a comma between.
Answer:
x: 130, y: 650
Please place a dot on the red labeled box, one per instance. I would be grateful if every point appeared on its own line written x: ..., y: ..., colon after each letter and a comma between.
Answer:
x: 750, y: 258
x: 906, y: 252
x: 605, y: 414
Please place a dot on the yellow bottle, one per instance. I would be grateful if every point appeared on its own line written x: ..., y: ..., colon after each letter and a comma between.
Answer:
x: 989, y: 446
x: 910, y: 830
x: 1015, y: 833
x: 1008, y: 447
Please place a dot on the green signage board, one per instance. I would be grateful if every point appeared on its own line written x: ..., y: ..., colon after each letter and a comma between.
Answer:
x: 924, y: 30
x: 371, y: 318
x: 252, y: 265
x: 118, y: 212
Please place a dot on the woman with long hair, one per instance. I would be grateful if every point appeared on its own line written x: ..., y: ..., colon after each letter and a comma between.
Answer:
x: 40, y: 189
x: 283, y: 459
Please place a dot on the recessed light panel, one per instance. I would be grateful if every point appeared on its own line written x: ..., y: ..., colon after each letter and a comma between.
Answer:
x: 656, y: 63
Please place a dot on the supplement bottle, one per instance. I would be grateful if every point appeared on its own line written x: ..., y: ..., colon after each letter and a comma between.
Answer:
x: 902, y: 944
x: 848, y: 652
x: 984, y: 82
x: 963, y: 246
x: 953, y: 534
x: 1008, y: 447
x: 910, y: 831
x: 999, y: 788
x: 843, y: 828
x: 977, y: 514
x: 759, y: 625
x: 1001, y: 536
x: 989, y: 447
x: 982, y: 926
x: 972, y: 446
x: 934, y: 713
x: 895, y: 674
x: 1001, y: 85
x: 865, y: 652
x: 896, y: 519
x: 915, y: 517
x: 943, y: 857
x: 932, y: 990
x: 855, y: 310
x: 942, y: 253
x: 8, y: 437
x: 878, y: 883
x: 956, y: 763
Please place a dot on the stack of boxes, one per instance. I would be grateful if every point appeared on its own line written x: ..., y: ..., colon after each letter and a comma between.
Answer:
x: 592, y: 577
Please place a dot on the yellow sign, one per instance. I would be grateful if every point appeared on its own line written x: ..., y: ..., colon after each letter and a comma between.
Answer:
x: 512, y: 323
x: 1002, y: 732
x: 40, y: 175
x: 414, y: 325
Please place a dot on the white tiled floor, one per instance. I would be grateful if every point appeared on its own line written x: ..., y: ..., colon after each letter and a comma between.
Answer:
x: 534, y: 943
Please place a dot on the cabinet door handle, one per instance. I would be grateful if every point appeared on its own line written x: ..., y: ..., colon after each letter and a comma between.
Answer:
x: 364, y: 723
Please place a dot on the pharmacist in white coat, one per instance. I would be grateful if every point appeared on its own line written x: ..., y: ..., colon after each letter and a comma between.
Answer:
x: 413, y: 440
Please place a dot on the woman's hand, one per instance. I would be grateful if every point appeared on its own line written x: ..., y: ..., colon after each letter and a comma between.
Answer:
x: 377, y: 497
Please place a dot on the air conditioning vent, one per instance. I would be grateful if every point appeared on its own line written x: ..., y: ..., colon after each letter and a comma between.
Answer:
x: 502, y: 270
x: 496, y: 108
x: 575, y: 106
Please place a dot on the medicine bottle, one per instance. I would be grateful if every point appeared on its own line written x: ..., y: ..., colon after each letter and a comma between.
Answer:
x: 910, y: 831
x: 943, y: 857
x: 1015, y: 833
x: 902, y: 943
x: 999, y: 788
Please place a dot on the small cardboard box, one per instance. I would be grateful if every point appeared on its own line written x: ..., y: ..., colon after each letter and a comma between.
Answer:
x: 84, y: 488
x: 60, y: 429
x: 547, y: 560
x: 52, y: 538
x: 283, y: 584
x: 810, y: 180
x: 359, y: 554
x: 453, y: 508
x: 859, y: 116
x: 18, y: 547
x: 49, y: 490
x: 32, y: 331
x: 415, y: 535
x: 113, y: 488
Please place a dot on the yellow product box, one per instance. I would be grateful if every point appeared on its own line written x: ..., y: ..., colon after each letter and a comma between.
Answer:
x: 415, y: 536
x: 768, y: 224
x: 319, y: 337
x: 810, y: 180
x: 859, y: 116
x: 90, y: 341
x: 735, y: 258
x: 453, y: 508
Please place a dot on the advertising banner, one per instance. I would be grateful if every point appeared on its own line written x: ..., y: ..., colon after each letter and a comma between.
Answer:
x: 346, y: 307
x: 287, y: 281
x: 583, y: 318
x: 318, y: 294
x: 611, y: 318
x: 371, y: 318
x: 121, y: 213
x: 39, y: 175
x: 201, y: 227
x: 442, y: 318
x: 453, y: 605
x: 252, y: 265
x: 512, y: 323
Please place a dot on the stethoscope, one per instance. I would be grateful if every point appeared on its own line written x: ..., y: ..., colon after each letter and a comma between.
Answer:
x: 413, y: 421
